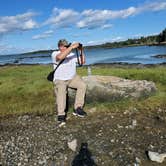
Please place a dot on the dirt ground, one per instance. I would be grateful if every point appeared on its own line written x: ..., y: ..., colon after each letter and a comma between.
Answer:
x: 104, y: 138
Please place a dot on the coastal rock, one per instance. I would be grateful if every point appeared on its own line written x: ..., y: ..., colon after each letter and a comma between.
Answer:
x: 73, y: 145
x: 160, y: 56
x: 154, y: 156
x: 111, y: 88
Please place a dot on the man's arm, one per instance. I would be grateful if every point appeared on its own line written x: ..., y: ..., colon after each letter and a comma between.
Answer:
x: 63, y: 54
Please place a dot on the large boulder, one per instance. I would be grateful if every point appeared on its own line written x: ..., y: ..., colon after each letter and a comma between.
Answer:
x: 111, y: 88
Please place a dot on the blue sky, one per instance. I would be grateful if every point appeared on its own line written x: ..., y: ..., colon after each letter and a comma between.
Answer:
x: 29, y: 25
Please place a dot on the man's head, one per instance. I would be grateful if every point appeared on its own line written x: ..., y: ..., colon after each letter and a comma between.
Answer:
x: 63, y: 42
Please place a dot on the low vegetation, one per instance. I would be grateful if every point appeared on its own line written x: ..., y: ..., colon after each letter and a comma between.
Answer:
x: 25, y: 89
x: 159, y: 39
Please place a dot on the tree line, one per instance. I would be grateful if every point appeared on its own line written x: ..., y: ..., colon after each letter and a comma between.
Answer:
x: 162, y: 36
x: 148, y: 40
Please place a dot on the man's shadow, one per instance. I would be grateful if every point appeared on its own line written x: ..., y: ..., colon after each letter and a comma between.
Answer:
x: 84, y: 158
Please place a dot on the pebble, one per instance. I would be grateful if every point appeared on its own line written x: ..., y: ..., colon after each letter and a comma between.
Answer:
x: 138, y: 161
x: 119, y: 126
x: 155, y: 156
x: 112, y: 140
x: 73, y: 145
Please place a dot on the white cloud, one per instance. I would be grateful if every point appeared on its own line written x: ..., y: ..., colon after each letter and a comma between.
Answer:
x: 97, y: 42
x: 19, y: 22
x: 63, y: 17
x: 93, y: 18
x: 116, y: 39
x: 30, y: 24
x: 4, y: 47
x: 145, y: 35
x: 138, y: 35
x: 106, y: 26
x: 80, y: 35
x: 44, y: 35
x: 89, y: 19
x: 93, y: 42
x: 96, y: 18
x: 155, y: 6
x: 70, y: 18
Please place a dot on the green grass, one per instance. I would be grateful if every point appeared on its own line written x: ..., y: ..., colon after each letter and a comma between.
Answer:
x: 155, y: 74
x: 25, y: 90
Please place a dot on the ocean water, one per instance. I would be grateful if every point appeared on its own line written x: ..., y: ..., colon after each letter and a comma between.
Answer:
x: 140, y: 54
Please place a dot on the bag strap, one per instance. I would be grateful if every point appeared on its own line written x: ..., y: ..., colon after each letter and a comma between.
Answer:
x: 59, y: 64
x: 78, y: 57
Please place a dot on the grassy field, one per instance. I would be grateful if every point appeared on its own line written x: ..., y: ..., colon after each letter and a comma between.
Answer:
x: 25, y: 89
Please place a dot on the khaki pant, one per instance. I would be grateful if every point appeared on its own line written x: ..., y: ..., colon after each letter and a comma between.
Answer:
x: 61, y: 91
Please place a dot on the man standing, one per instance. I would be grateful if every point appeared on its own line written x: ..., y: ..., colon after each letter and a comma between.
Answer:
x: 65, y: 76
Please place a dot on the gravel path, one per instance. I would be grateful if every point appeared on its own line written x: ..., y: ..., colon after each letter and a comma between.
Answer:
x: 111, y: 138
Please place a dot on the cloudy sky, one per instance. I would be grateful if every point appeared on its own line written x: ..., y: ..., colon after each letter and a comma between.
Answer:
x: 28, y: 25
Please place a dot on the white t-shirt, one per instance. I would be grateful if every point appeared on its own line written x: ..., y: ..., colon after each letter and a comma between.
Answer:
x: 67, y: 69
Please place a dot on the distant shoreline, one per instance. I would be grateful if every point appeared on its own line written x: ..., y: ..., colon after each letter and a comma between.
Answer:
x: 94, y: 47
x: 118, y: 64
x: 97, y: 46
x: 160, y: 56
x: 45, y: 59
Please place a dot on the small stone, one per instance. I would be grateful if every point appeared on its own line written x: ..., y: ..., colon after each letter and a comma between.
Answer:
x: 112, y: 140
x: 134, y: 122
x: 73, y: 145
x: 92, y: 110
x: 126, y: 112
x: 119, y: 126
x: 151, y: 146
x: 111, y: 153
x: 159, y: 110
x: 137, y: 160
x: 42, y: 161
x: 154, y: 156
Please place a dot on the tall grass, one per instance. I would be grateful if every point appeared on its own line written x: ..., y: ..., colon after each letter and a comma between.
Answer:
x: 25, y: 90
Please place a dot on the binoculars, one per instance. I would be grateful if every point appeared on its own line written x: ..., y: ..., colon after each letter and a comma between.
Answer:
x: 80, y: 45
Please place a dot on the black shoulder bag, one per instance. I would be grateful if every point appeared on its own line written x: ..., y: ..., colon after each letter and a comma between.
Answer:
x: 50, y: 76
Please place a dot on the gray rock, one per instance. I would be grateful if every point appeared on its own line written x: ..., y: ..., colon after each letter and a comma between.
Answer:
x: 111, y: 88
x: 154, y: 156
x: 73, y: 145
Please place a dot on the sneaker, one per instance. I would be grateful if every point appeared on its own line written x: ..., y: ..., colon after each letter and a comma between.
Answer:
x: 61, y: 120
x: 79, y: 112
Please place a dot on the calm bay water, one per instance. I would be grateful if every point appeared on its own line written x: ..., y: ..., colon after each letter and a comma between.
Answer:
x: 141, y: 54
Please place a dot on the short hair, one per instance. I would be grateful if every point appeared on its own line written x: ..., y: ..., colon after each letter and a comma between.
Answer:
x: 62, y: 42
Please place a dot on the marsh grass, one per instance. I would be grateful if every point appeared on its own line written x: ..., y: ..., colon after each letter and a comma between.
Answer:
x: 24, y: 89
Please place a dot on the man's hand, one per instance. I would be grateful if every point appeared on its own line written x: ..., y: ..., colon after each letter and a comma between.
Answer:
x: 75, y: 45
